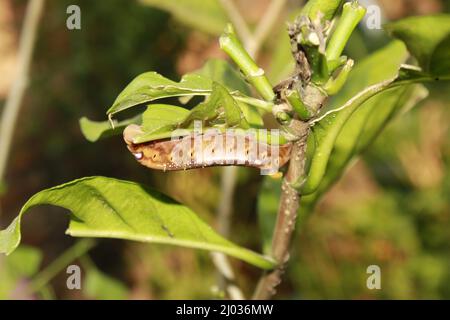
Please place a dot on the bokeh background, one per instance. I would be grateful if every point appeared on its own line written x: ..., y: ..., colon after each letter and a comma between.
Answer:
x: 391, y: 208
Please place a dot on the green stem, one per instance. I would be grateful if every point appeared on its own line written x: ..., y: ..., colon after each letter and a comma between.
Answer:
x: 255, y: 75
x: 334, y: 85
x: 297, y: 104
x: 261, y: 104
x: 74, y: 252
x: 351, y: 15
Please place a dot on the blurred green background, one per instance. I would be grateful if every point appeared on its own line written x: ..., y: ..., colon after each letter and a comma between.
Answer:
x: 390, y: 209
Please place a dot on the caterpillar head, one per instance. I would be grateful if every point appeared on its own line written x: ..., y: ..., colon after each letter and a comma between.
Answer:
x: 150, y: 154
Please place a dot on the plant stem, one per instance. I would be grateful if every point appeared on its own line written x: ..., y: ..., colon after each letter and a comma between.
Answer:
x: 352, y: 13
x: 77, y: 250
x: 258, y: 103
x: 297, y: 104
x: 286, y: 216
x: 11, y: 109
x: 255, y: 75
x: 238, y: 22
x: 229, y: 174
x: 334, y: 85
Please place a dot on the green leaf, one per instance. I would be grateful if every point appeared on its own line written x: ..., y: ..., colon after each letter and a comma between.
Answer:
x: 440, y: 61
x: 339, y: 134
x: 427, y: 38
x: 159, y: 121
x: 111, y: 208
x: 409, y: 74
x: 252, y: 115
x: 233, y: 114
x: 207, y: 16
x: 360, y: 131
x: 98, y: 285
x: 392, y: 103
x: 220, y: 102
x: 222, y: 72
x: 150, y: 86
x: 159, y: 116
x: 369, y: 76
x: 95, y: 130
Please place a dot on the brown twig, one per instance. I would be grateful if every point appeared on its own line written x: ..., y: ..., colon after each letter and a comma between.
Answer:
x: 286, y: 217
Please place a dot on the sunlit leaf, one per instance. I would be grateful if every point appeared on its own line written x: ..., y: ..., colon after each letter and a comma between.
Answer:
x: 360, y: 131
x: 111, y: 208
x: 367, y: 76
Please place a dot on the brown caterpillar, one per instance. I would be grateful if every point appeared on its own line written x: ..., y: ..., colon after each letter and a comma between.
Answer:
x: 198, y: 151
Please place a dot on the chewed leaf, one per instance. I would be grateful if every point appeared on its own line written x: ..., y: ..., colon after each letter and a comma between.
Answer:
x: 111, y: 208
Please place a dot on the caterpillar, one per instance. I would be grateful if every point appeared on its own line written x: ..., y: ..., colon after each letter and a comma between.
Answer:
x: 204, y: 150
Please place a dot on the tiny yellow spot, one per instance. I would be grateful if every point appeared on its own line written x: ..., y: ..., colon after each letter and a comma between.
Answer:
x: 276, y: 176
